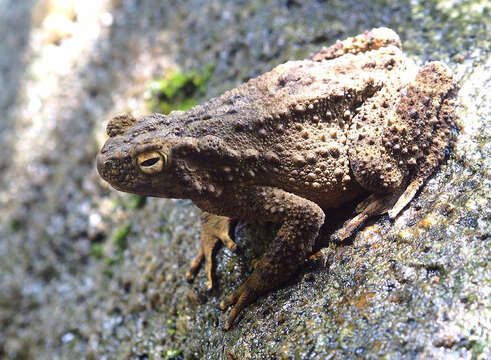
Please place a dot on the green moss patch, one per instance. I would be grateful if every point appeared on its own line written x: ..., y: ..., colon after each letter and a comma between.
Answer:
x: 134, y: 202
x: 120, y: 236
x: 97, y: 250
x: 173, y: 355
x: 178, y: 90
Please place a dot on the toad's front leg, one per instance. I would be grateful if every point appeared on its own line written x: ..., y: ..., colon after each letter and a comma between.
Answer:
x: 300, y: 222
x: 214, y: 228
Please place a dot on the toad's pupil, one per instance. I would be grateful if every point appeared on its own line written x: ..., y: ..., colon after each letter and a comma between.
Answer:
x: 149, y: 162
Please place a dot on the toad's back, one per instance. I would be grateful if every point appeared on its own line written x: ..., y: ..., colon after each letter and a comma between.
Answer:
x: 290, y: 125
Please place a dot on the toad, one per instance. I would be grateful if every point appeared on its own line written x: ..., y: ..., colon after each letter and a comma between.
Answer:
x: 284, y: 147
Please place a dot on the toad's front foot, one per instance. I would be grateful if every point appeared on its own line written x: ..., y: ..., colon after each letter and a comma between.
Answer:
x: 300, y: 222
x: 260, y: 282
x: 214, y: 228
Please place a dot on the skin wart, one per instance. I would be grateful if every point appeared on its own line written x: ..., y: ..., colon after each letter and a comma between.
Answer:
x: 308, y: 135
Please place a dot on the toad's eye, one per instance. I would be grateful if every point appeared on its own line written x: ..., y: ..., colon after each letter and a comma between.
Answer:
x: 152, y: 162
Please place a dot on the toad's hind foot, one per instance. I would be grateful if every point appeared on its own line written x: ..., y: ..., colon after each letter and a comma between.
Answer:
x: 214, y: 228
x: 374, y: 205
x: 406, y: 197
x: 377, y: 204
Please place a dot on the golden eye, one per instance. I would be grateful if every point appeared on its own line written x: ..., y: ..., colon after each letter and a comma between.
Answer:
x: 152, y: 162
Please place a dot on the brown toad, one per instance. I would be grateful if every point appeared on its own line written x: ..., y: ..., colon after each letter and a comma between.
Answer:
x: 306, y: 136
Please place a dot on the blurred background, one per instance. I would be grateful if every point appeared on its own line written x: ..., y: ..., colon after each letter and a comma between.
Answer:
x: 87, y: 272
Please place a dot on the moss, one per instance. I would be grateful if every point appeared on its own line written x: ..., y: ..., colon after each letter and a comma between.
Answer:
x: 15, y: 225
x: 108, y: 272
x: 178, y: 90
x: 119, y: 239
x: 97, y: 250
x: 120, y: 236
x: 478, y: 347
x: 171, y: 323
x: 113, y: 260
x: 173, y: 355
x: 135, y: 202
x: 114, y: 204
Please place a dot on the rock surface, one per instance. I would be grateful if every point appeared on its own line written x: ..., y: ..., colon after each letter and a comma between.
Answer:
x: 86, y: 272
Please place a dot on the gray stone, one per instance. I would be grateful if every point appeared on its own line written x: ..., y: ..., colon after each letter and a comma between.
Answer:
x: 417, y: 287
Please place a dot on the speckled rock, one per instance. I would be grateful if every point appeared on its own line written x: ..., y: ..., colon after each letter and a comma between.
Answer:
x: 86, y: 272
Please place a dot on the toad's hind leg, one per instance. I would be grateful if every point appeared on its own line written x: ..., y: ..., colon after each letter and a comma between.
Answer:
x: 436, y: 85
x: 369, y: 40
x: 401, y: 145
x: 403, y: 140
